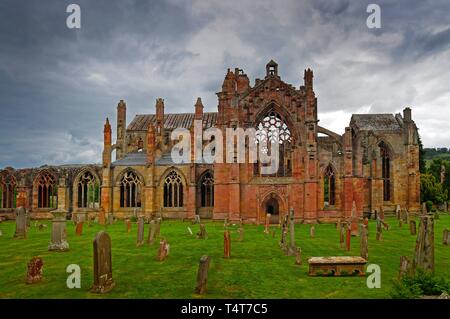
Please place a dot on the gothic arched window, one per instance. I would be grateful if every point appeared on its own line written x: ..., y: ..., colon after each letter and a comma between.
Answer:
x: 130, y: 190
x: 47, y: 191
x: 173, y: 190
x: 272, y: 129
x: 329, y: 186
x: 207, y: 190
x: 88, y: 191
x: 385, y: 171
x: 7, y: 191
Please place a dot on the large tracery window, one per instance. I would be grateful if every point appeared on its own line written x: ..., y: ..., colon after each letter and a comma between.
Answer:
x: 88, y: 191
x: 270, y: 130
x: 385, y: 171
x: 47, y: 191
x: 130, y: 190
x: 207, y: 190
x: 173, y: 190
x: 329, y: 186
x: 7, y: 191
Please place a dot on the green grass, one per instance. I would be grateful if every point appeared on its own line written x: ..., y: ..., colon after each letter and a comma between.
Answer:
x: 257, y: 269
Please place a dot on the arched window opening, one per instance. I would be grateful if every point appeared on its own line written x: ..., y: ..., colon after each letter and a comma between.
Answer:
x: 207, y: 190
x: 385, y: 171
x: 47, y: 191
x: 130, y: 190
x: 8, y: 191
x: 329, y: 186
x: 88, y: 191
x: 272, y: 129
x: 173, y: 190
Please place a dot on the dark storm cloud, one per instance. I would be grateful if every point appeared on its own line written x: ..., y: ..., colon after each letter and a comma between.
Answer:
x: 57, y: 85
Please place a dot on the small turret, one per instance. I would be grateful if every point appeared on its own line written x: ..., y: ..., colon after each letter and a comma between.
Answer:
x: 199, y: 109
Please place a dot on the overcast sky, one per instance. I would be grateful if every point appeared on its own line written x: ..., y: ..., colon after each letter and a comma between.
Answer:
x: 57, y: 85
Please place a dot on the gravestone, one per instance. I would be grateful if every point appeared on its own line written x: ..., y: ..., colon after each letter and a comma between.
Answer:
x: 266, y: 228
x: 404, y: 267
x: 226, y: 244
x: 240, y: 231
x: 298, y: 256
x: 398, y: 211
x: 34, y: 270
x: 406, y: 217
x: 21, y: 223
x: 342, y: 233
x: 379, y: 229
x: 312, y: 231
x: 364, y: 246
x: 59, y: 235
x: 110, y: 219
x: 412, y: 227
x: 79, y: 228
x: 163, y: 250
x: 151, y: 232
x: 103, y: 280
x: 140, y: 232
x: 424, y: 251
x: 400, y: 223
x: 202, y: 234
x: 190, y: 231
x: 292, y: 248
x: 128, y: 225
x: 197, y: 219
x: 158, y: 227
x: 225, y: 223
x: 348, y: 237
x: 424, y: 208
x: 1, y: 234
x: 445, y: 238
x: 202, y: 275
x: 283, y: 241
x: 354, y: 225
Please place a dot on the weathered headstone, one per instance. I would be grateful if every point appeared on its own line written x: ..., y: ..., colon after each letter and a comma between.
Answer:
x: 197, y: 219
x: 283, y: 241
x: 342, y: 233
x: 404, y: 267
x: 292, y: 247
x: 298, y: 256
x: 21, y: 223
x: 151, y: 232
x: 158, y: 227
x: 103, y: 280
x: 445, y: 239
x: 349, y: 236
x: 202, y: 234
x: 424, y: 252
x: 226, y: 244
x: 79, y: 228
x: 398, y: 211
x: 406, y: 217
x: 379, y: 229
x: 354, y: 225
x: 312, y: 231
x: 140, y: 233
x: 59, y: 235
x: 412, y: 227
x: 266, y: 228
x: 202, y: 275
x: 364, y: 247
x: 163, y: 250
x: 34, y: 270
x: 240, y: 231
x: 110, y: 219
x: 128, y: 225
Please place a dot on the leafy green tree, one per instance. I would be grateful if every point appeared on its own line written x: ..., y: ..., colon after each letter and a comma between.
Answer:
x: 431, y: 189
x: 422, y: 165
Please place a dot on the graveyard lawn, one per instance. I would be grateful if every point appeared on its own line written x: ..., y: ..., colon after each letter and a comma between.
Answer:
x: 257, y: 267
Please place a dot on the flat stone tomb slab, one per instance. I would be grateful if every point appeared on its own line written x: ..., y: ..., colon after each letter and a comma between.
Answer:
x: 336, y: 265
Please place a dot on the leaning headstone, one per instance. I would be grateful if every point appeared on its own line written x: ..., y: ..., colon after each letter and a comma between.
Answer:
x: 226, y: 244
x: 202, y: 275
x: 151, y: 233
x: 424, y: 251
x: 298, y: 256
x: 163, y: 250
x: 34, y: 270
x: 412, y: 227
x: 103, y: 280
x: 404, y: 267
x: 140, y: 233
x: 59, y: 235
x: 364, y: 247
x: 445, y: 239
x: 79, y: 228
x: 21, y: 223
x: 202, y: 234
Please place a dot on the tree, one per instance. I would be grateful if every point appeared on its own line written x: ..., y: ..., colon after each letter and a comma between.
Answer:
x: 422, y: 166
x: 432, y: 190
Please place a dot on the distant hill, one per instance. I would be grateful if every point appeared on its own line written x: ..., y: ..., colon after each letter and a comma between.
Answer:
x: 434, y: 153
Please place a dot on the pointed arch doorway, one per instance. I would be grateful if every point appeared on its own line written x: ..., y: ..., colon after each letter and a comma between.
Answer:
x: 273, y: 205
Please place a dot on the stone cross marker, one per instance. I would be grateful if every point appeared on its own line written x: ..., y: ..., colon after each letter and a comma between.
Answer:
x: 59, y: 235
x: 364, y: 247
x: 103, y: 280
x: 445, y: 236
x: 79, y: 228
x: 226, y: 244
x: 34, y: 270
x: 424, y: 252
x: 151, y: 232
x: 202, y: 275
x: 412, y: 227
x: 140, y: 233
x: 21, y: 223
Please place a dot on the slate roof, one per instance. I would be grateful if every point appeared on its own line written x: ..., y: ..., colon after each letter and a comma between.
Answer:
x: 132, y: 159
x: 375, y: 122
x: 171, y: 121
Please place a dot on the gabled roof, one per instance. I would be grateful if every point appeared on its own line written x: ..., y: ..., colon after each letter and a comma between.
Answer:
x: 375, y: 122
x: 171, y: 121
